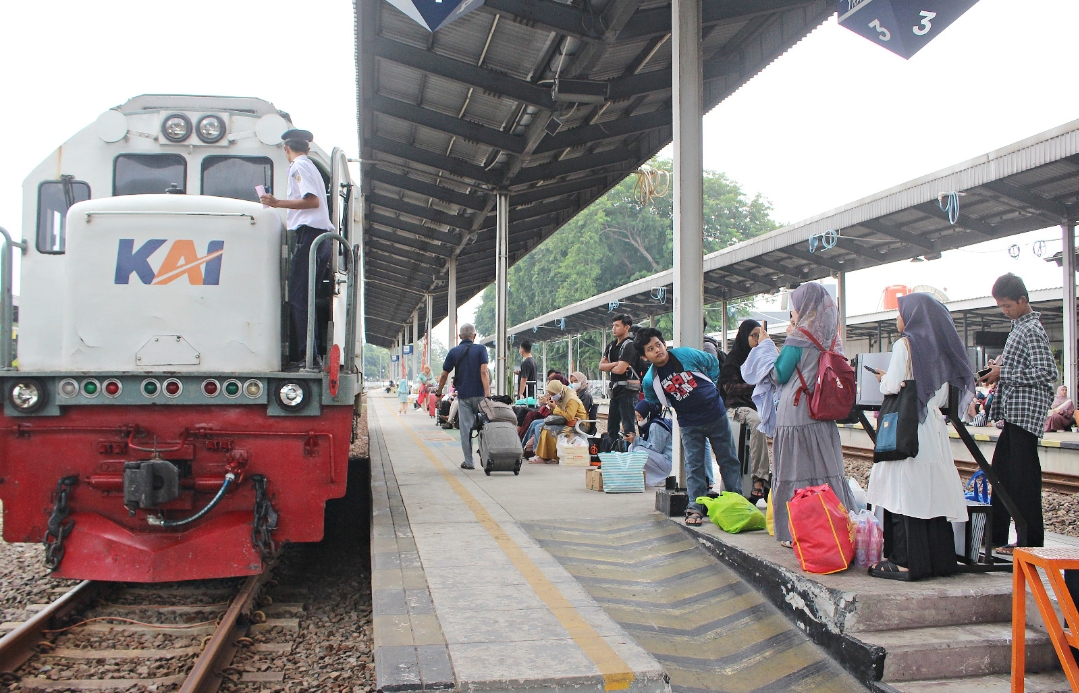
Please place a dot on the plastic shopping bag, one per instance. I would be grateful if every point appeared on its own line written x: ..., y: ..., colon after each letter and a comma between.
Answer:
x: 732, y: 513
x: 770, y: 518
x: 868, y: 538
x: 821, y: 530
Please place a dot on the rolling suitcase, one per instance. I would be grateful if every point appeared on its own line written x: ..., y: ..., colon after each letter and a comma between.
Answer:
x: 500, y: 448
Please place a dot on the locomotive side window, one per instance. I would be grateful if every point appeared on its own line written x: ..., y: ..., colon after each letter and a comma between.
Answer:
x: 149, y: 174
x: 236, y: 176
x: 54, y: 198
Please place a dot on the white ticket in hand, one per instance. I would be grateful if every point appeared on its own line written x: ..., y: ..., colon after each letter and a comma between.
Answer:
x: 260, y: 190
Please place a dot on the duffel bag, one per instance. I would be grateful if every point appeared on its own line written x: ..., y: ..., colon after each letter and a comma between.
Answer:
x: 821, y: 531
x: 494, y: 410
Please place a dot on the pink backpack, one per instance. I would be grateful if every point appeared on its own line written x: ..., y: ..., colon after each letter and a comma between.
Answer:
x: 832, y: 398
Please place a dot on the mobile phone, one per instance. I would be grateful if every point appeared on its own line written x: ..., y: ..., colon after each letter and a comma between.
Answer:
x: 874, y: 371
x: 984, y: 372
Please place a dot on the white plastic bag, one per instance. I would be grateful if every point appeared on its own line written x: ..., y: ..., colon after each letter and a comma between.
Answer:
x: 868, y: 538
x: 860, y: 497
x: 572, y: 449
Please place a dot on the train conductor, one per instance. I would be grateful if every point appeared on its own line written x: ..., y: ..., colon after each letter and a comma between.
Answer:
x: 308, y: 217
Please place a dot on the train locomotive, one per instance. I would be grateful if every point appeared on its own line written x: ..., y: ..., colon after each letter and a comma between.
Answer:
x: 150, y: 431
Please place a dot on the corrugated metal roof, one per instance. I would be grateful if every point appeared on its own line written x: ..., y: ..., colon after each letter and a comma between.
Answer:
x: 446, y: 119
x: 1002, y: 198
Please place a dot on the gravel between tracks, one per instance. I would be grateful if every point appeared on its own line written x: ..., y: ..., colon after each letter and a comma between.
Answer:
x: 24, y: 579
x: 1060, y: 510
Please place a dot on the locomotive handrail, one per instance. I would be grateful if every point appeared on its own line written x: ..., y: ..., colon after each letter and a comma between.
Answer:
x: 350, y: 337
x: 159, y: 212
x: 7, y: 308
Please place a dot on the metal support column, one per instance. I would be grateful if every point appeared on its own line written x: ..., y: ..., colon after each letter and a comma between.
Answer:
x: 841, y: 296
x: 880, y: 337
x: 415, y: 343
x: 429, y: 309
x: 502, y: 261
x: 451, y: 302
x: 1068, y: 261
x: 724, y: 308
x: 688, y: 105
x: 543, y: 378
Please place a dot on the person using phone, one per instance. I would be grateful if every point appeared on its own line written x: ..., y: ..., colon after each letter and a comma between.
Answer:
x: 738, y: 398
x: 1024, y: 374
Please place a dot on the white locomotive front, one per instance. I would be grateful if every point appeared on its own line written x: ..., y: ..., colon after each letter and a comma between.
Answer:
x: 149, y: 432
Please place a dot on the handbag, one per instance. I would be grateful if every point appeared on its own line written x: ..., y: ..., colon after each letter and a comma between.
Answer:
x: 897, y: 432
x: 821, y: 531
x: 554, y: 420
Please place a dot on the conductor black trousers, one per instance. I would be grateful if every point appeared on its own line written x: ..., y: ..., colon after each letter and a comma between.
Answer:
x: 298, y: 281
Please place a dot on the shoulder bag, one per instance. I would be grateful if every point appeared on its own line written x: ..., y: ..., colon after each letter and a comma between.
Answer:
x: 897, y: 430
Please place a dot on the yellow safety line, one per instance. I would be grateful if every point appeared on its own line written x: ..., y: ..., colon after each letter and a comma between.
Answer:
x: 617, y: 675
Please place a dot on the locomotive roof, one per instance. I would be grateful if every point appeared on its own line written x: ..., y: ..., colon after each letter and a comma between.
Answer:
x: 193, y: 102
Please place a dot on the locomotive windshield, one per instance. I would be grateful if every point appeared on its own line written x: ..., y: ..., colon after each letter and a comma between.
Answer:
x: 236, y: 176
x: 149, y: 174
x: 54, y: 198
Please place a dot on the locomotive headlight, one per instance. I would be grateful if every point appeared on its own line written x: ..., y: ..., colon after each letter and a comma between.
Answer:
x: 176, y: 128
x: 210, y: 129
x: 27, y: 396
x: 291, y: 395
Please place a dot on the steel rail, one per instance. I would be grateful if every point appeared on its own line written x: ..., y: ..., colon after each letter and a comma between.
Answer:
x: 19, y: 645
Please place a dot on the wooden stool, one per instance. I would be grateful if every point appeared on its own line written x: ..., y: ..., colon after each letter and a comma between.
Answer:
x: 1053, y: 561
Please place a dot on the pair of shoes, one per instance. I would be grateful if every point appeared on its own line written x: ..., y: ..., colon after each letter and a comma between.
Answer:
x: 889, y: 571
x: 694, y: 518
x: 467, y: 465
x: 537, y: 460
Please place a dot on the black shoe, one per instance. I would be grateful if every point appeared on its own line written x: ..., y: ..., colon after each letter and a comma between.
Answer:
x: 467, y: 465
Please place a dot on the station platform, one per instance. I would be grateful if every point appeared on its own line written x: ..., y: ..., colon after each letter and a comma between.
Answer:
x: 533, y: 583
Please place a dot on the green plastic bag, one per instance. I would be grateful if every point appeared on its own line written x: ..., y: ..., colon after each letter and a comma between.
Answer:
x: 732, y: 513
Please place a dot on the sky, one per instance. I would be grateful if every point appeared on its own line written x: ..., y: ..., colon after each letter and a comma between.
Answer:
x: 834, y: 119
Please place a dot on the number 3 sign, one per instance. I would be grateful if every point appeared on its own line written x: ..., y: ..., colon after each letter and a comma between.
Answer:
x: 901, y: 26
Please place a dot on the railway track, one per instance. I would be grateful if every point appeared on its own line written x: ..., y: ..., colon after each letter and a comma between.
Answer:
x: 1051, y: 481
x: 102, y: 636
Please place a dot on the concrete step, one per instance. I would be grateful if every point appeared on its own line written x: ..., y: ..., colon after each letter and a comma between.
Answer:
x: 923, y: 654
x: 1050, y: 682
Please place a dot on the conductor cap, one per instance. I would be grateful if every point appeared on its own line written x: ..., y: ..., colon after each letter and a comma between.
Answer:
x: 294, y: 134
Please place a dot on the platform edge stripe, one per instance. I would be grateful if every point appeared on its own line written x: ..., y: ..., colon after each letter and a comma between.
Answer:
x: 710, y: 627
x: 577, y: 527
x: 646, y: 562
x: 734, y: 589
x: 617, y: 675
x: 736, y: 661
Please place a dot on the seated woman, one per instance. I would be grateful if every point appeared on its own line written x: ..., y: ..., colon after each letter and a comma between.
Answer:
x: 654, y: 436
x: 1061, y: 413
x: 738, y: 398
x: 922, y: 495
x: 564, y: 403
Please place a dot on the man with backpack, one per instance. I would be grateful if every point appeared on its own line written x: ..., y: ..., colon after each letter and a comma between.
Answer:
x: 622, y: 361
x: 473, y: 383
x: 685, y: 380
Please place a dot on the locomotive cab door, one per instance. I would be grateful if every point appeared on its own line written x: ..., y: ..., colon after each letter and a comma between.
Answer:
x: 340, y: 214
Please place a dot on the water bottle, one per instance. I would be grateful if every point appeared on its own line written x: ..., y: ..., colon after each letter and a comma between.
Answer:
x: 861, y: 543
x: 876, y: 542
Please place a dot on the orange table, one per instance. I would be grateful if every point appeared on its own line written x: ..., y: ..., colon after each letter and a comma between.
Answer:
x: 1052, y: 561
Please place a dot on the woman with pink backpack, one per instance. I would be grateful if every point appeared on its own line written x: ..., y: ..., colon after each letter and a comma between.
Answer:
x: 806, y: 451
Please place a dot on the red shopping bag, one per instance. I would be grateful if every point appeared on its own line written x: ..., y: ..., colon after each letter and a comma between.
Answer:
x: 821, y: 530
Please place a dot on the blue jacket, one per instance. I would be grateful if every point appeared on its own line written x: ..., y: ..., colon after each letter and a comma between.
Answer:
x: 691, y: 360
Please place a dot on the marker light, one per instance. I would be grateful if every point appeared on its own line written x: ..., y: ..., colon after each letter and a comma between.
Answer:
x: 90, y: 387
x: 232, y: 388
x: 113, y: 388
x: 176, y: 128
x: 253, y: 388
x: 210, y: 129
x: 150, y: 387
x: 291, y: 395
x: 27, y: 396
x: 210, y: 388
x: 69, y: 388
x: 173, y: 387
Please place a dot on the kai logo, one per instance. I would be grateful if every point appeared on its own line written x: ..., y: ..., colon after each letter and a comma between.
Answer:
x: 182, y: 260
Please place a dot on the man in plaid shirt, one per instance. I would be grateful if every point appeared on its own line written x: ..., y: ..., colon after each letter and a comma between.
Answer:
x: 1026, y: 373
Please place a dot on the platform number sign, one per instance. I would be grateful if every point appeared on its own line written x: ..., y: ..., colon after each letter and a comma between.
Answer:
x: 435, y: 14
x: 408, y: 349
x: 902, y: 26
x: 395, y: 358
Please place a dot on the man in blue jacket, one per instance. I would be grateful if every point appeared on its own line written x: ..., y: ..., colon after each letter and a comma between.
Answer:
x: 685, y: 379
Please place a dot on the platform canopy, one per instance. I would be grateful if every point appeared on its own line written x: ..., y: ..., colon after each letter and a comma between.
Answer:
x: 1029, y: 185
x: 555, y: 102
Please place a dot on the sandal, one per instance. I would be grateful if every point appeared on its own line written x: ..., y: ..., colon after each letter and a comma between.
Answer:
x: 756, y: 494
x: 786, y: 544
x: 537, y: 460
x: 889, y: 571
x: 1005, y: 550
x: 694, y: 518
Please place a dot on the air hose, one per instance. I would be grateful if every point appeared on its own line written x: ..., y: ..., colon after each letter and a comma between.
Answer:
x: 161, y: 522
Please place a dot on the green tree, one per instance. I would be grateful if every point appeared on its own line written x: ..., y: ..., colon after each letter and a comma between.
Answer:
x: 617, y: 239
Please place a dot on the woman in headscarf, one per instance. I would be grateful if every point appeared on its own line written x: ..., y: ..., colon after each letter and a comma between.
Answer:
x: 564, y: 403
x: 805, y: 452
x: 654, y: 437
x: 738, y: 398
x: 923, y: 495
x: 579, y: 382
x: 1061, y: 412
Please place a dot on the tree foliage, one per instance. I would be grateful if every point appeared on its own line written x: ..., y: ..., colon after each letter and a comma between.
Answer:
x: 616, y: 240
